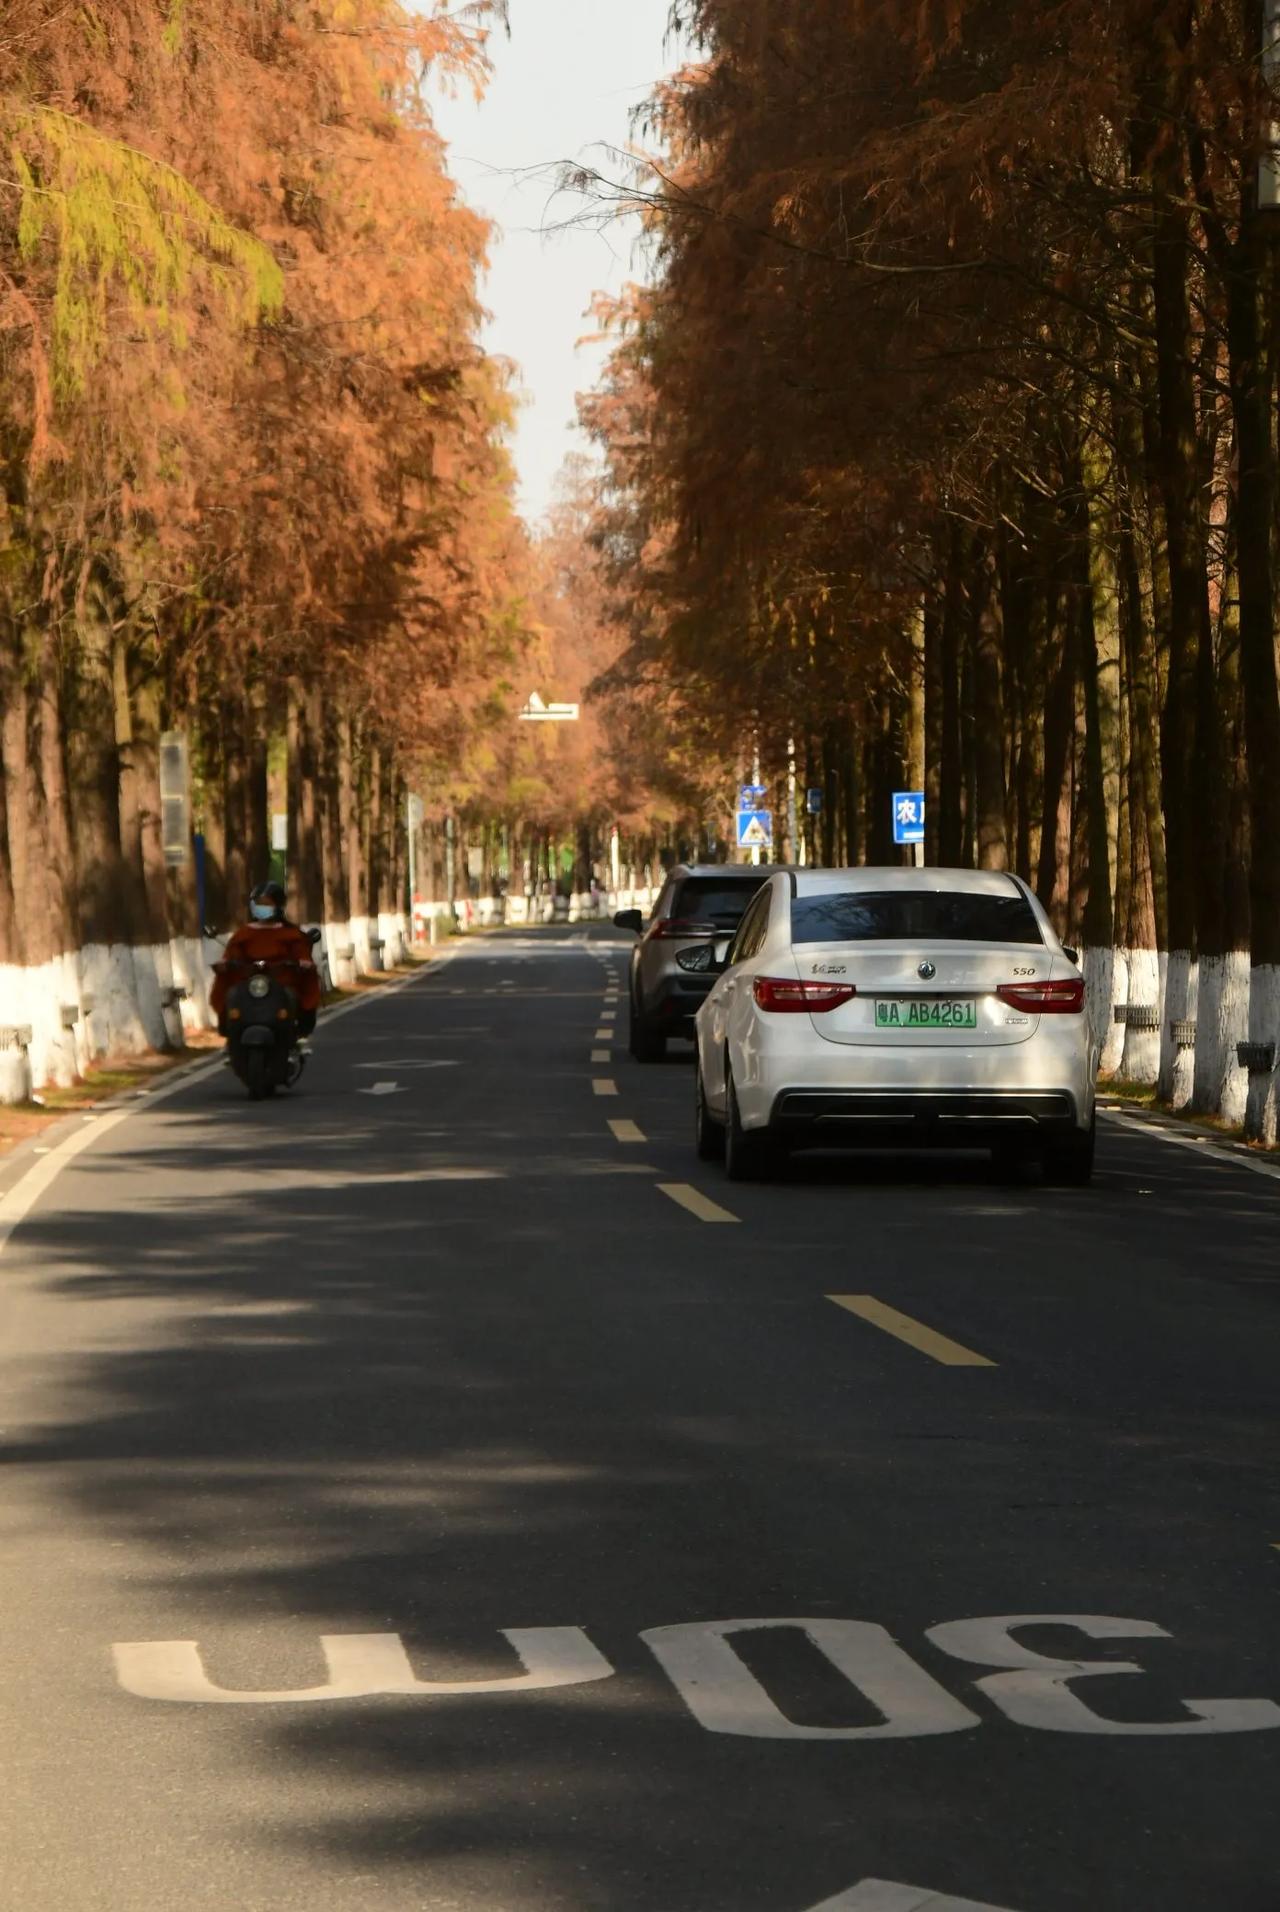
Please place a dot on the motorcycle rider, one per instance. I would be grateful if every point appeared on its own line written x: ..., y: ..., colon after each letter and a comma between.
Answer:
x: 269, y: 937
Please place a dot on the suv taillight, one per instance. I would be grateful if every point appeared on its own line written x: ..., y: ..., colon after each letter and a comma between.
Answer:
x: 1045, y: 999
x: 679, y: 926
x: 783, y: 998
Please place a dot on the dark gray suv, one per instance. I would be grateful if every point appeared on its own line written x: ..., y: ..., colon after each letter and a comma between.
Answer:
x: 698, y: 901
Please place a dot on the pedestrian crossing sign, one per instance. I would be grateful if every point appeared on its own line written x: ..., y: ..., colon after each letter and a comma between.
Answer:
x: 755, y: 829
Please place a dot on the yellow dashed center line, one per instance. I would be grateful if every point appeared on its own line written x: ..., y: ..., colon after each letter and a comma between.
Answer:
x: 603, y: 1086
x: 696, y: 1202
x: 914, y: 1333
x: 626, y: 1132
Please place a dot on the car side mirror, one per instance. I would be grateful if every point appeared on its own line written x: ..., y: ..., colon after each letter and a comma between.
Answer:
x: 313, y: 937
x: 1072, y: 955
x: 629, y: 919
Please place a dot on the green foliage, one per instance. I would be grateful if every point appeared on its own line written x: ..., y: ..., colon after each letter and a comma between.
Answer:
x: 123, y: 226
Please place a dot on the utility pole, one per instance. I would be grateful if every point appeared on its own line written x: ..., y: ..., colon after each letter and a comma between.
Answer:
x: 797, y: 849
x: 755, y: 778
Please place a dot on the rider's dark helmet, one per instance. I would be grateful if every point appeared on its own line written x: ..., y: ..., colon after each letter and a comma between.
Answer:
x: 266, y: 903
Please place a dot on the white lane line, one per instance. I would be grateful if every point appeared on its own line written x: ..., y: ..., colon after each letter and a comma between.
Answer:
x: 692, y: 1199
x: 608, y: 1015
x: 1202, y: 1146
x: 601, y: 1085
x: 604, y: 1035
x: 626, y: 1132
x: 601, y: 1055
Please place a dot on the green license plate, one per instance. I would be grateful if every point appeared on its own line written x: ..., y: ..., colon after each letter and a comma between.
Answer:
x: 931, y: 1014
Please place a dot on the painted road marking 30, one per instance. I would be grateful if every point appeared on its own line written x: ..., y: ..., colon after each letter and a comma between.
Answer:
x: 722, y: 1693
x: 881, y: 1895
x: 916, y: 1335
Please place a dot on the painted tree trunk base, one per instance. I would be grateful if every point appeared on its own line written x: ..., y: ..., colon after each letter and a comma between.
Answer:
x: 15, y: 1077
x: 1177, y: 1063
x: 1221, y: 1086
x: 1099, y: 993
x: 1262, y: 1107
x: 335, y: 938
x: 1140, y: 1057
x: 1116, y: 996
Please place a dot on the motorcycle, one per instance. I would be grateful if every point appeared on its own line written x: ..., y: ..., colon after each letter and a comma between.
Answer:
x: 261, y: 1023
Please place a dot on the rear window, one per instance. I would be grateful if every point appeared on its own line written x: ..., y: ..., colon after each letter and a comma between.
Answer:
x: 913, y: 916
x: 719, y: 900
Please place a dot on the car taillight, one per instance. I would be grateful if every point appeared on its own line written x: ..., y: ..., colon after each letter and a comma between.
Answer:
x: 1045, y: 999
x: 783, y: 998
x: 680, y: 926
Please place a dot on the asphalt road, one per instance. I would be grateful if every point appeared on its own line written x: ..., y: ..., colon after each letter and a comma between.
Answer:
x: 431, y: 1353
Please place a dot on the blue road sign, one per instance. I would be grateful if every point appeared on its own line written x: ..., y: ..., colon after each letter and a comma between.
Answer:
x: 755, y: 829
x: 813, y: 802
x: 908, y: 816
x: 752, y: 796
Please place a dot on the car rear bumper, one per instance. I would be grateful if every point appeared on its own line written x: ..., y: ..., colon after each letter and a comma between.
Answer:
x: 932, y: 1118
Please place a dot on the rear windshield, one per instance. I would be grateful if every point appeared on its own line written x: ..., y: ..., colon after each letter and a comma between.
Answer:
x: 714, y: 899
x: 913, y: 916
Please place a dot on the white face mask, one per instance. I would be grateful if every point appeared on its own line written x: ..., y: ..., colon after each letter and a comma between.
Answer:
x: 262, y: 912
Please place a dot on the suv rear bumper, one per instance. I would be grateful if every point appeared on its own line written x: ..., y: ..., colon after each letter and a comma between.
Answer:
x: 934, y: 1118
x: 676, y: 1001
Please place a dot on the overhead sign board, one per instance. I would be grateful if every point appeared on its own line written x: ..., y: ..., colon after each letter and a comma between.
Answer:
x: 537, y: 711
x: 755, y: 829
x: 908, y: 816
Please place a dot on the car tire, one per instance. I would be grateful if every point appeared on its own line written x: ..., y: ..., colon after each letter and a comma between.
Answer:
x: 708, y: 1134
x: 645, y: 1044
x: 749, y: 1155
x: 1069, y: 1163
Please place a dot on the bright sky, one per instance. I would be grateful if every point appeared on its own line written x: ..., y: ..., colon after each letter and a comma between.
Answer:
x: 565, y: 84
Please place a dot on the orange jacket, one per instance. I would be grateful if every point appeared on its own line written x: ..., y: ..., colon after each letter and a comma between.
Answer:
x: 281, y: 945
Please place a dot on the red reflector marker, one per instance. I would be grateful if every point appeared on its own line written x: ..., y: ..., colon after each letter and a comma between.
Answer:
x: 1064, y: 998
x: 784, y: 998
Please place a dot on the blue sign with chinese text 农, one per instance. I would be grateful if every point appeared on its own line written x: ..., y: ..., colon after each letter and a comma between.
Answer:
x: 908, y: 816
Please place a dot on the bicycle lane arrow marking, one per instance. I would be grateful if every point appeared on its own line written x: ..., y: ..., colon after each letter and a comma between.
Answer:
x: 879, y: 1895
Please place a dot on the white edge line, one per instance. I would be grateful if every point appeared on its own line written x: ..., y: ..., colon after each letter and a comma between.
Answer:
x: 1201, y: 1146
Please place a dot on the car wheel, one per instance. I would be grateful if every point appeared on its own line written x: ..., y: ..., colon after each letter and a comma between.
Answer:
x: 1069, y: 1163
x: 749, y: 1154
x: 708, y: 1134
x: 644, y: 1043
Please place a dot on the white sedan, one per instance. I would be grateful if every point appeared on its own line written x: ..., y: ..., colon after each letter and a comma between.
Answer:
x: 901, y: 1008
